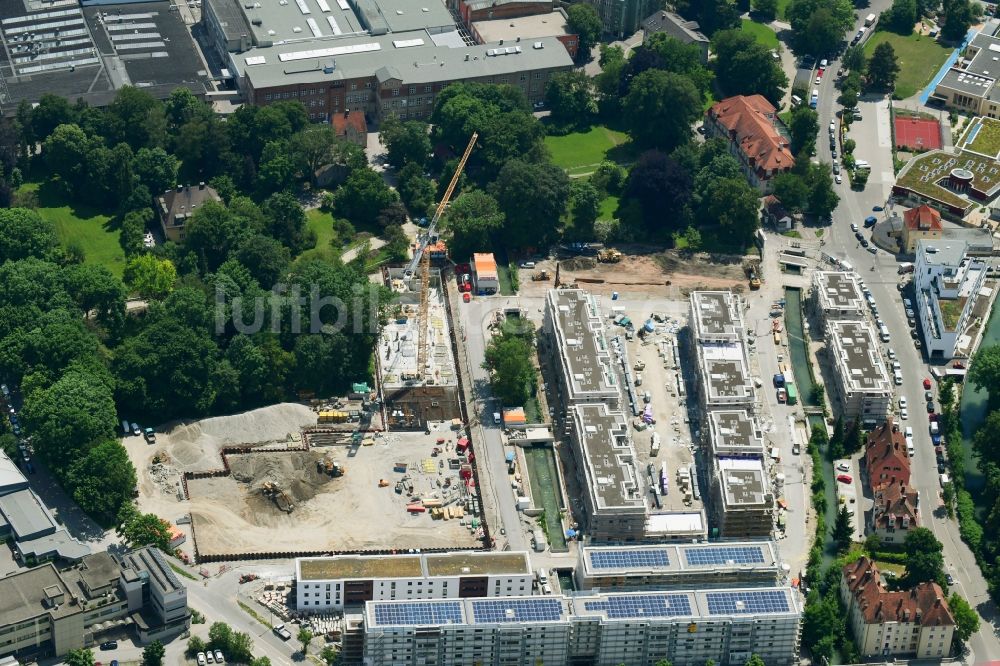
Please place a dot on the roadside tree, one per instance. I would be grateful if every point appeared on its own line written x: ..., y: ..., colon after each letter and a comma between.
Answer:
x: 966, y: 618
x: 924, y: 559
x: 508, y: 358
x: 984, y: 372
x: 152, y: 654
x: 804, y: 128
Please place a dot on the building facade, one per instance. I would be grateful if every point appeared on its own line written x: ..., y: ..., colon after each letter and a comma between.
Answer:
x: 684, y: 627
x: 862, y: 386
x: 621, y: 18
x: 910, y: 623
x: 333, y: 583
x: 743, y: 505
x: 757, y: 138
x: 949, y: 296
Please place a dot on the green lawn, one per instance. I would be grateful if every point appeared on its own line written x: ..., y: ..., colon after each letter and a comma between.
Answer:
x: 762, y: 33
x: 322, y: 224
x: 580, y: 152
x: 920, y: 58
x: 80, y: 224
x: 608, y: 207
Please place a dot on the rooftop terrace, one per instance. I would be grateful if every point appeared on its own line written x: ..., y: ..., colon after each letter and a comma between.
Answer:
x: 716, y: 316
x: 839, y: 291
x: 744, y: 482
x: 582, y: 346
x: 735, y: 432
x: 725, y: 374
x: 927, y: 174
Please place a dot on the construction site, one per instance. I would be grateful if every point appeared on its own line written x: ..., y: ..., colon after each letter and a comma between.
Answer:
x: 417, y: 390
x: 273, y: 482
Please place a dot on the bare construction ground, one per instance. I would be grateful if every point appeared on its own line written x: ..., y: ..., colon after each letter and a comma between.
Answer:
x: 232, y: 514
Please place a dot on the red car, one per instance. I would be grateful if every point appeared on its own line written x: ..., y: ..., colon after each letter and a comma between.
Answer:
x: 933, y: 417
x: 466, y: 297
x: 927, y: 384
x: 844, y: 478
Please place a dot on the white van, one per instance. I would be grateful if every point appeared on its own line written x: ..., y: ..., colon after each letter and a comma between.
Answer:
x: 543, y: 577
x: 496, y: 418
x: 883, y: 333
x: 897, y: 377
x: 862, y: 164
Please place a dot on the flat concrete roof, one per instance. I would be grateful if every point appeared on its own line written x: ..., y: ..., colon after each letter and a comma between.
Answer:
x: 735, y: 432
x: 26, y: 514
x: 984, y: 61
x: 744, y: 481
x: 839, y: 291
x: 525, y: 27
x: 725, y: 373
x: 151, y: 561
x: 11, y: 477
x: 352, y: 567
x: 582, y: 345
x: 967, y: 82
x: 716, y: 315
x: 415, y: 57
x: 23, y: 593
x: 858, y: 356
x: 98, y: 569
x: 609, y: 457
x: 942, y: 253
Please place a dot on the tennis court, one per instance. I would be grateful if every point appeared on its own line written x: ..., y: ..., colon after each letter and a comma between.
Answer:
x: 917, y: 133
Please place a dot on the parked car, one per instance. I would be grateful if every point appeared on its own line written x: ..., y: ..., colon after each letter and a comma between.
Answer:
x: 907, y: 303
x: 136, y: 430
x: 844, y: 478
x: 201, y: 659
x: 219, y: 658
x: 910, y: 314
x: 838, y: 178
x: 930, y: 407
x: 927, y: 383
x: 904, y: 414
x: 891, y: 353
x: 282, y: 633
x: 878, y: 209
x: 109, y: 645
x: 860, y: 236
x: 872, y: 249
x: 870, y: 221
x: 951, y: 579
x: 902, y: 402
x: 843, y: 467
x: 854, y: 227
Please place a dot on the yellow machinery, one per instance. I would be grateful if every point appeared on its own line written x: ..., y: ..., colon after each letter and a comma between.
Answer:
x: 423, y: 257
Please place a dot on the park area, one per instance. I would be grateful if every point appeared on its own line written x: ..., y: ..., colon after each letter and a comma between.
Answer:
x: 77, y: 224
x: 580, y: 153
x: 919, y: 56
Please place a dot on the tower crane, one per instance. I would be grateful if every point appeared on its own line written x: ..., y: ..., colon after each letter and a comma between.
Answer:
x: 422, y: 257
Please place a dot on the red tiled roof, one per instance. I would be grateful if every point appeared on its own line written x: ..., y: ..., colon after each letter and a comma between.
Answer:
x: 885, y: 456
x: 925, y: 604
x: 896, y: 506
x: 750, y: 121
x: 923, y: 218
x: 344, y: 121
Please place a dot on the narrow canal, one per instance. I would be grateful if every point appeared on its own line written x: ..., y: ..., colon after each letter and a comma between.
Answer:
x: 973, y: 409
x: 544, y: 480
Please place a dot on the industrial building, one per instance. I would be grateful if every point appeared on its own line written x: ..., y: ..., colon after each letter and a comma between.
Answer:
x: 951, y: 297
x: 838, y: 295
x: 574, y: 326
x: 533, y: 26
x: 413, y: 396
x: 614, y: 496
x: 27, y: 523
x: 743, y: 505
x: 380, y: 58
x: 333, y: 583
x: 734, y: 433
x: 45, y: 612
x: 635, y: 628
x: 861, y: 380
x: 657, y: 566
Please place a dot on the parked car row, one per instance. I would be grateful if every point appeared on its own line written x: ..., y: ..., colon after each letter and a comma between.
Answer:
x: 8, y: 396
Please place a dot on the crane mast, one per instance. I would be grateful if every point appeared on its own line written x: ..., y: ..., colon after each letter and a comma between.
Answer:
x: 423, y: 257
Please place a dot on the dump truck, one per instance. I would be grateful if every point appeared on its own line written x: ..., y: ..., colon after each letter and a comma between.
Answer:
x: 609, y: 256
x: 540, y: 276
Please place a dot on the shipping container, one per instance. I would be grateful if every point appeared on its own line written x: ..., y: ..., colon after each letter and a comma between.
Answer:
x: 793, y: 395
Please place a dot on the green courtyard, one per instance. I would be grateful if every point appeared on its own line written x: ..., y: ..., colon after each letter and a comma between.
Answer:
x: 580, y: 153
x: 920, y: 58
x: 986, y: 140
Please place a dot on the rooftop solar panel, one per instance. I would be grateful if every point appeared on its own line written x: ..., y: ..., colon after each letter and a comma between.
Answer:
x: 418, y: 613
x: 642, y: 605
x: 517, y: 610
x: 719, y: 555
x: 750, y: 602
x: 629, y: 559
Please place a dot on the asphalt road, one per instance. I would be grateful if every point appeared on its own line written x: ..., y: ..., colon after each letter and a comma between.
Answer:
x: 880, y: 274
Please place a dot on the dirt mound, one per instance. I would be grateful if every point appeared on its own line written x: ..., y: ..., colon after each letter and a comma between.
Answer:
x: 710, y: 265
x: 579, y: 264
x: 295, y: 473
x: 196, y: 445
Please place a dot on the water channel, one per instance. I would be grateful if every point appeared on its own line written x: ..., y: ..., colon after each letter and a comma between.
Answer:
x: 798, y: 353
x: 544, y: 481
x: 973, y: 409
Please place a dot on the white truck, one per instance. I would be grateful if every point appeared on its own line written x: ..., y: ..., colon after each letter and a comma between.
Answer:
x: 870, y: 20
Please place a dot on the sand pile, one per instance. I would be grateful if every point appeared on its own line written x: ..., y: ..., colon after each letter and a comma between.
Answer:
x: 196, y: 446
x: 295, y: 473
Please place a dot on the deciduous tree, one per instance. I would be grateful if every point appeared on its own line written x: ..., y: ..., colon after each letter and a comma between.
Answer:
x: 79, y: 657
x: 150, y: 277
x: 533, y: 197
x: 25, y: 234
x: 582, y: 19
x: 570, y: 98
x: 508, y: 358
x: 883, y: 67
x: 743, y: 66
x: 804, y: 127
x: 405, y: 141
x: 152, y: 654
x: 966, y: 617
x: 984, y: 372
x: 363, y: 196
x: 472, y: 219
x: 924, y: 559
x: 660, y: 108
x: 143, y: 529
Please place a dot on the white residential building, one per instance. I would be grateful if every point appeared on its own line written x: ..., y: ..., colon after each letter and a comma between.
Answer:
x: 635, y: 628
x: 949, y: 296
x: 331, y: 583
x: 580, y: 344
x: 838, y: 295
x: 723, y: 368
x: 862, y: 385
